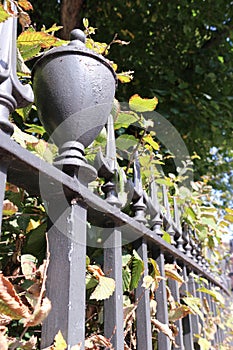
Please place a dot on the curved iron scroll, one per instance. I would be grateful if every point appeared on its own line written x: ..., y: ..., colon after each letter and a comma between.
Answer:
x: 13, y: 94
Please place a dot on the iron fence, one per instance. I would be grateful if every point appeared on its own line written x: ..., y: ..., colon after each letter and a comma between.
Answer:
x: 71, y: 205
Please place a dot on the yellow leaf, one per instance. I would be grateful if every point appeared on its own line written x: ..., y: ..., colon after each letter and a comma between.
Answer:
x: 125, y: 77
x: 147, y: 282
x: 26, y: 5
x: 85, y: 22
x: 104, y: 289
x: 148, y: 138
x: 140, y: 104
x: 204, y: 344
x: 3, y: 14
x: 32, y: 225
x: 59, y: 342
x: 29, y: 37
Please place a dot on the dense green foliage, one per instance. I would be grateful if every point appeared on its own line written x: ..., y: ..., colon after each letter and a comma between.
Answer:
x: 181, y: 52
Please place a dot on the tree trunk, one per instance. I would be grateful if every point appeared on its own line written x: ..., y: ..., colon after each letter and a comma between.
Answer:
x: 70, y: 16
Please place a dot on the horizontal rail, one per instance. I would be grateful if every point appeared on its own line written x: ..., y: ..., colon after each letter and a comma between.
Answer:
x: 21, y: 163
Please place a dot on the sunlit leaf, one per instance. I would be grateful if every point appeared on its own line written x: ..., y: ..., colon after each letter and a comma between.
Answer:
x: 216, y: 295
x: 25, y: 4
x: 28, y: 265
x: 124, y: 119
x: 36, y: 129
x: 148, y: 138
x: 59, y: 342
x: 125, y: 77
x: 104, y: 289
x: 140, y: 104
x: 195, y: 305
x: 147, y: 281
x: 3, y: 14
x: 91, y: 281
x: 204, y: 344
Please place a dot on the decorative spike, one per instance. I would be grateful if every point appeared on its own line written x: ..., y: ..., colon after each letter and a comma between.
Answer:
x: 107, y: 166
x: 187, y: 246
x: 13, y: 94
x: 178, y: 236
x: 157, y: 221
x: 169, y: 223
x: 193, y: 246
x: 138, y: 203
x: 111, y: 145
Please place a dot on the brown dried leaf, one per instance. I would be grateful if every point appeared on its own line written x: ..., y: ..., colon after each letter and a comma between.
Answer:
x: 4, y: 320
x: 162, y: 327
x: 24, y: 19
x: 10, y: 303
x: 3, y: 342
x: 30, y: 344
x: 179, y: 312
x: 97, y: 339
x: 39, y: 314
x: 171, y: 271
x: 12, y: 188
x: 9, y: 208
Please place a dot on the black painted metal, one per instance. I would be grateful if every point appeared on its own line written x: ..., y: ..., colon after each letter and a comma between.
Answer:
x: 73, y: 110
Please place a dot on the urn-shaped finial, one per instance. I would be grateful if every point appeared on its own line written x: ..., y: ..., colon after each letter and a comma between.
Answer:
x: 74, y: 89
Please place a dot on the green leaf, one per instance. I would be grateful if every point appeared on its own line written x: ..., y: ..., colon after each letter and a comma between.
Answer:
x: 125, y: 142
x: 24, y: 112
x: 35, y: 242
x: 126, y: 277
x: 216, y: 295
x: 124, y: 119
x: 137, y: 268
x: 104, y: 289
x: 3, y: 14
x: 139, y: 104
x: 91, y: 281
x: 166, y: 237
x: 36, y: 129
x: 156, y: 272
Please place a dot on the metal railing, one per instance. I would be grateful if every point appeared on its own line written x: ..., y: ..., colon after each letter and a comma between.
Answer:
x: 71, y: 205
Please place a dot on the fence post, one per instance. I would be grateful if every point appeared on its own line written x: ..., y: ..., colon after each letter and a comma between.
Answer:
x: 113, y: 306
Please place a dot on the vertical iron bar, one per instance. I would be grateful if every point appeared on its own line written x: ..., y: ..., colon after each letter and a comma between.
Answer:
x: 3, y: 175
x: 113, y: 307
x: 161, y: 298
x: 66, y: 273
x: 143, y: 318
x: 187, y: 321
